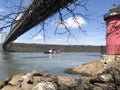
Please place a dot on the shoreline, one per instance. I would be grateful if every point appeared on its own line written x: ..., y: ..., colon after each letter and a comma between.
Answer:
x: 38, y: 80
x: 23, y: 47
x: 90, y: 79
x: 91, y: 68
x: 70, y: 71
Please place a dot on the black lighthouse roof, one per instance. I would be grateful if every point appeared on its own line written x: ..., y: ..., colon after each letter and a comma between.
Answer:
x: 115, y: 10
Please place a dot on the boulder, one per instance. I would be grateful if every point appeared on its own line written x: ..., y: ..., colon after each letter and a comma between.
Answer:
x: 7, y: 80
x: 115, y: 72
x: 37, y: 73
x: 51, y: 78
x: 108, y: 80
x: 9, y: 87
x: 26, y: 77
x: 103, y: 86
x: 83, y: 83
x: 2, y: 84
x: 16, y: 79
x: 26, y: 86
x: 66, y: 83
x: 45, y: 86
x: 37, y: 79
x: 105, y: 77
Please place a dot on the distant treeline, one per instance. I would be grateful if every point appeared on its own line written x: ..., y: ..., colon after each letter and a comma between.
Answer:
x: 21, y: 47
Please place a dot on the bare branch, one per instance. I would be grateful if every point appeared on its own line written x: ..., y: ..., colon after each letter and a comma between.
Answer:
x: 16, y: 9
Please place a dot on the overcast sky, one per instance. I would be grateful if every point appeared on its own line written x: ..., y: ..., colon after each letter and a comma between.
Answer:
x: 94, y: 26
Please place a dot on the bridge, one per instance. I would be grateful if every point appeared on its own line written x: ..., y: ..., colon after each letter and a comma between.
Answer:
x: 37, y: 12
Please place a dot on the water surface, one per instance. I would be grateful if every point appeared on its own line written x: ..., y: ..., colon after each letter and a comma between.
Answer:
x: 56, y: 64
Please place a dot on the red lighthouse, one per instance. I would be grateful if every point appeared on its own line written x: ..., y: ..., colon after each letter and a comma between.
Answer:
x: 112, y: 19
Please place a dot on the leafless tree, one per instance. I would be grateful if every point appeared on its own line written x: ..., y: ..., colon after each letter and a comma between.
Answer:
x: 13, y: 10
x: 10, y: 19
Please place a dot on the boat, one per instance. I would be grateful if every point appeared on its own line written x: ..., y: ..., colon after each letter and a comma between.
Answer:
x: 52, y: 51
x: 47, y: 52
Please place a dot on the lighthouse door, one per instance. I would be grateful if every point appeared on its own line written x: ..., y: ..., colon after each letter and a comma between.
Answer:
x: 117, y: 49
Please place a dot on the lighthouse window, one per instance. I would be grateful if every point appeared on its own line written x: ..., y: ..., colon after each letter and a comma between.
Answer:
x: 116, y: 28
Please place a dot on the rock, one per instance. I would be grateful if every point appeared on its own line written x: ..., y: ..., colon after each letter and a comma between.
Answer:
x: 66, y: 83
x: 27, y: 82
x: 45, y: 86
x: 115, y: 72
x: 26, y: 77
x: 103, y: 86
x: 37, y: 79
x: 83, y: 83
x: 7, y: 80
x: 109, y: 80
x: 105, y: 77
x: 97, y: 88
x: 9, y: 87
x: 2, y: 84
x: 45, y: 78
x: 16, y: 79
x: 26, y: 86
x: 51, y: 78
x: 37, y: 73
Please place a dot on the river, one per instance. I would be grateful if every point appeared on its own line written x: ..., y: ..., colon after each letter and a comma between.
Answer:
x: 23, y: 62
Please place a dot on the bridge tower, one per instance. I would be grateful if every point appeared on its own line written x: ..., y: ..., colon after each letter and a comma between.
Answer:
x: 112, y: 19
x: 2, y: 37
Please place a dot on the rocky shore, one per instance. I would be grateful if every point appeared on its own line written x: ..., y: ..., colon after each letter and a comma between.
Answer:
x: 36, y: 80
x: 92, y: 77
x: 92, y: 68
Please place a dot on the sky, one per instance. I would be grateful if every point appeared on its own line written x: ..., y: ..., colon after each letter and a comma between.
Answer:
x: 93, y: 26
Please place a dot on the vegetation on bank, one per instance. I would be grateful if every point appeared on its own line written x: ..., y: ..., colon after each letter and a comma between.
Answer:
x: 22, y: 47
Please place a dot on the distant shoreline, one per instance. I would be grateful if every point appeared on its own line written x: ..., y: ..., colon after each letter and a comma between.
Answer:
x: 22, y: 47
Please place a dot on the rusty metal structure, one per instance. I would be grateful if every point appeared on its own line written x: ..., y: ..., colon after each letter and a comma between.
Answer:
x: 37, y: 12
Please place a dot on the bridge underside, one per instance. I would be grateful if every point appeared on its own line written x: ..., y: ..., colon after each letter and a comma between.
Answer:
x: 36, y: 13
